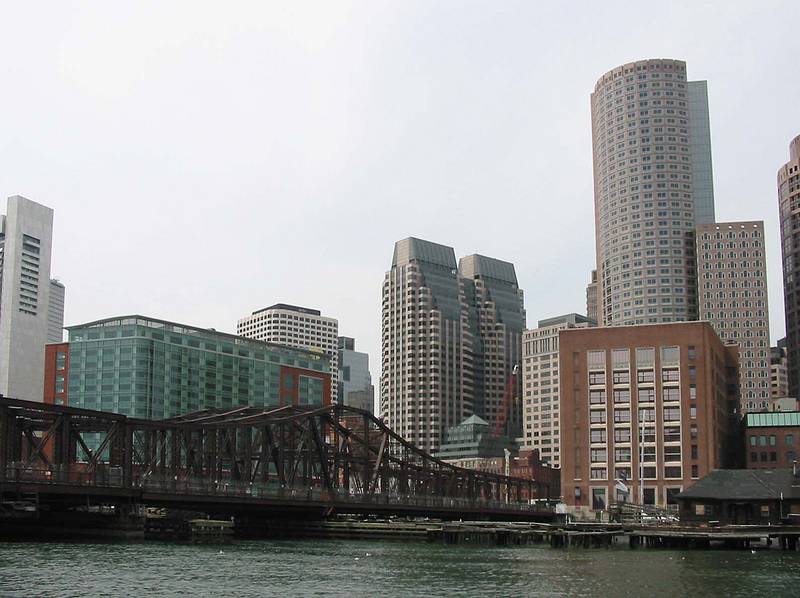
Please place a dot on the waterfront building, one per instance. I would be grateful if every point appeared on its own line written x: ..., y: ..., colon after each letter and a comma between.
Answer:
x: 26, y: 235
x: 355, y: 381
x: 540, y: 384
x: 742, y: 497
x: 650, y: 407
x: 732, y: 279
x: 652, y: 185
x: 154, y: 369
x: 789, y: 205
x: 778, y: 370
x: 55, y: 312
x: 771, y: 439
x: 298, y: 327
x: 592, y: 300
x: 451, y: 337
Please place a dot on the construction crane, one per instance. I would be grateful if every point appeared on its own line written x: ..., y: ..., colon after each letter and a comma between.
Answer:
x: 505, y: 408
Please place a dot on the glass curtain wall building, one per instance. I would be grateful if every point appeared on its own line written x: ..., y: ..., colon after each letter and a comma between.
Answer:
x: 154, y: 369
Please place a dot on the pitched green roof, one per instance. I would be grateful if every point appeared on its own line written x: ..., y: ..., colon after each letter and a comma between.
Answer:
x: 773, y: 419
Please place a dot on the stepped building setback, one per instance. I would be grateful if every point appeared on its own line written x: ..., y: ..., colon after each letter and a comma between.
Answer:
x: 451, y: 336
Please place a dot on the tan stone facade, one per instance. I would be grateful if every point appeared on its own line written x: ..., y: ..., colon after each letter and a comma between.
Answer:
x: 732, y: 281
x: 649, y: 405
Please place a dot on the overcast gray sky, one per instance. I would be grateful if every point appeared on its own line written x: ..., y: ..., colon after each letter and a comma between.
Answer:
x: 208, y: 159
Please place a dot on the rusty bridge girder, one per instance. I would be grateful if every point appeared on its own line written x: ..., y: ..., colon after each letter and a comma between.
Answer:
x: 329, y: 453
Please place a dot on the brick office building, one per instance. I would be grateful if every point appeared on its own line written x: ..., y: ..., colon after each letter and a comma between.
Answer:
x: 649, y: 406
x: 771, y: 439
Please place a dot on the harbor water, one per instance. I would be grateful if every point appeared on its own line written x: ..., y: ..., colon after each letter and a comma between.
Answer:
x: 386, y: 569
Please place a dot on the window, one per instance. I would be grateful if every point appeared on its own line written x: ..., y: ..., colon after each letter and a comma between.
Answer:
x: 694, y: 451
x: 598, y: 499
x: 670, y: 375
x: 597, y: 377
x: 647, y: 414
x: 597, y: 397
x: 596, y: 359
x: 598, y: 473
x: 622, y: 473
x: 622, y: 396
x: 598, y: 435
x: 622, y: 455
x: 752, y: 441
x: 773, y: 456
x: 695, y: 472
x: 673, y: 471
x: 671, y: 394
x: 645, y: 376
x: 645, y: 356
x: 672, y: 495
x: 789, y: 439
x: 622, y: 377
x: 772, y: 439
x: 670, y: 355
x: 753, y: 457
x: 672, y: 453
x: 597, y: 416
x: 647, y: 395
x: 598, y: 455
x: 672, y: 434
x: 622, y: 434
x: 672, y: 414
x: 622, y: 415
x: 762, y: 441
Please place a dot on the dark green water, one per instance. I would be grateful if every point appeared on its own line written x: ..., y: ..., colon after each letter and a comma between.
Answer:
x: 386, y: 569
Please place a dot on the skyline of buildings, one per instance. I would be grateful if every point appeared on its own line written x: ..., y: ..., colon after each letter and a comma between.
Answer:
x: 454, y: 340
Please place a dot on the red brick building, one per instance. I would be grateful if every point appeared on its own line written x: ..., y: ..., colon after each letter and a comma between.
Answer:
x: 771, y: 439
x: 652, y: 407
x: 56, y: 374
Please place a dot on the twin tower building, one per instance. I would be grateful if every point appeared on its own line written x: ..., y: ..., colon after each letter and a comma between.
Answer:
x: 452, y: 333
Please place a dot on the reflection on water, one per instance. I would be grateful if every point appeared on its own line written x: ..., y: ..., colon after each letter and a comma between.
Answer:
x: 361, y: 568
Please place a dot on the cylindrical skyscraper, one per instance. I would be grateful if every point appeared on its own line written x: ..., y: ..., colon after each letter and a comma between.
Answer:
x: 652, y: 185
x: 789, y: 202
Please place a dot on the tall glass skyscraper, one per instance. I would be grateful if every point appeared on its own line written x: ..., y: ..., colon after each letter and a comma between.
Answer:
x: 789, y: 205
x: 652, y: 185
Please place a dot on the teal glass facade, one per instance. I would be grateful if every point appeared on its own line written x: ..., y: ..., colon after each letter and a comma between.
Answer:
x: 147, y: 368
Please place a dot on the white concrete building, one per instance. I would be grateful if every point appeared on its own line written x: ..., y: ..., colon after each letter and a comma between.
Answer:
x: 55, y: 313
x: 540, y: 395
x: 298, y: 327
x: 26, y: 235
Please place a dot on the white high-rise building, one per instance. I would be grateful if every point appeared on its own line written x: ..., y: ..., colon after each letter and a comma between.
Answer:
x: 26, y: 235
x: 55, y: 313
x: 651, y: 148
x: 540, y: 396
x: 298, y: 327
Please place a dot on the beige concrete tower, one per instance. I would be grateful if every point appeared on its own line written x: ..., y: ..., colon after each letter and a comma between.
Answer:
x: 732, y: 280
x: 650, y: 139
x: 789, y: 203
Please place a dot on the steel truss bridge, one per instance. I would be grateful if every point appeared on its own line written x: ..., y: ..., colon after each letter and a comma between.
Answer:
x: 287, y: 461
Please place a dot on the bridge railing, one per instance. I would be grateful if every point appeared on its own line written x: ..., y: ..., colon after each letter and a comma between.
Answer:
x: 112, y: 477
